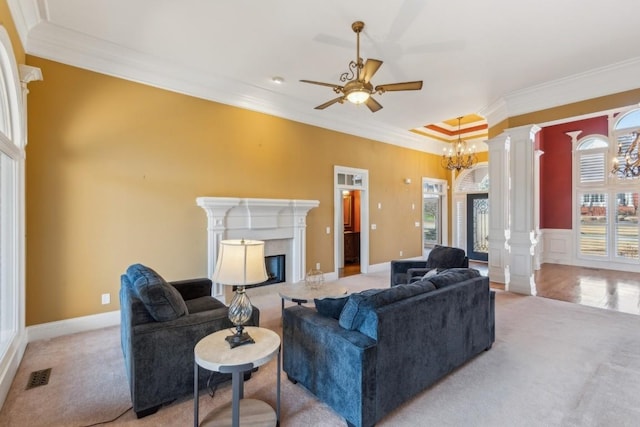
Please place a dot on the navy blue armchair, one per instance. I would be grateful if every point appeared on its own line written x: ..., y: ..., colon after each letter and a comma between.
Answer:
x: 441, y: 257
x: 161, y: 322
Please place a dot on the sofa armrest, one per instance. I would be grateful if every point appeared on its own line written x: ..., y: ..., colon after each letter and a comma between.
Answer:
x: 400, y: 268
x: 193, y: 288
x: 335, y: 364
x: 414, y: 274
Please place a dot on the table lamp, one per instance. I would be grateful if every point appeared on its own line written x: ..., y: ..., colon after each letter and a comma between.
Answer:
x: 240, y: 263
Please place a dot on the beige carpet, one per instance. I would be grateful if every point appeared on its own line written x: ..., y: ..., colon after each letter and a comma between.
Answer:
x: 553, y: 364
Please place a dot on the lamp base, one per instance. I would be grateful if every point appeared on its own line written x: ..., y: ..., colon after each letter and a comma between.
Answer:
x: 238, y: 339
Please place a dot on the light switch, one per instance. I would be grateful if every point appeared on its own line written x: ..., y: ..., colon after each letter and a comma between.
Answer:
x: 373, y: 226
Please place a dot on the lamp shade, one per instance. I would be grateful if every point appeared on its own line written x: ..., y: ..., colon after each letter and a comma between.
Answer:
x: 240, y: 262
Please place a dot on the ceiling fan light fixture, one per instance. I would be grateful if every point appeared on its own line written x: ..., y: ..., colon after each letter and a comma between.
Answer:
x: 357, y: 92
x: 358, y: 96
x: 358, y: 88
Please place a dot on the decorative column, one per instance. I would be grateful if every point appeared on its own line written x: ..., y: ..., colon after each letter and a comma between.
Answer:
x: 536, y: 209
x: 523, y: 239
x: 498, y: 208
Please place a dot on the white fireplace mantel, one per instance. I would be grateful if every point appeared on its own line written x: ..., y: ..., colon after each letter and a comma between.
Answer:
x: 257, y: 219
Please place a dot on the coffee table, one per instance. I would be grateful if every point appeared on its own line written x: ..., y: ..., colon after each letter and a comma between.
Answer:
x: 214, y: 354
x: 301, y: 293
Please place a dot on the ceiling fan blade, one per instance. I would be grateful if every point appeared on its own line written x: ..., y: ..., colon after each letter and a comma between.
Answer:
x: 323, y: 84
x: 409, y: 11
x: 435, y: 47
x: 399, y: 86
x: 373, y: 105
x: 339, y: 99
x: 335, y: 41
x: 370, y: 68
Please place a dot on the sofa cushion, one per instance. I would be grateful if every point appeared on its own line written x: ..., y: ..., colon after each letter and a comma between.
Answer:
x: 361, y: 304
x: 161, y: 299
x: 330, y: 307
x: 196, y: 305
x: 453, y: 275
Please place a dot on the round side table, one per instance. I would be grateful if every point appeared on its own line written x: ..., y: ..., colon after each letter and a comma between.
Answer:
x: 300, y: 293
x: 214, y: 354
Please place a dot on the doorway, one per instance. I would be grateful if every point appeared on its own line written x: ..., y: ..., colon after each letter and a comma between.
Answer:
x: 478, y: 226
x: 351, y: 231
x: 434, y: 213
x: 351, y: 221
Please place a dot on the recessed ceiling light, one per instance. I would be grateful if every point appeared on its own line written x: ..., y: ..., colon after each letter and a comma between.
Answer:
x: 277, y: 80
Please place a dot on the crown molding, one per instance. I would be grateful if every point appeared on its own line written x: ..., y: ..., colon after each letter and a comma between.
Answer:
x: 61, y: 45
x: 52, y: 42
x: 614, y: 78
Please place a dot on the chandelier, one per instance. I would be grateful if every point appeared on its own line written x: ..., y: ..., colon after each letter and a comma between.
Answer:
x: 631, y: 166
x: 460, y: 158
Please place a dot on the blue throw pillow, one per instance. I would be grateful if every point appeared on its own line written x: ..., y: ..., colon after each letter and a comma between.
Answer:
x: 330, y: 307
x: 360, y: 305
x: 355, y: 309
x: 162, y: 300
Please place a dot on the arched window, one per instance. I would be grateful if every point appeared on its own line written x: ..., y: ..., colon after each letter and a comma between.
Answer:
x: 607, y: 199
x: 11, y: 197
x: 626, y: 133
x: 592, y: 157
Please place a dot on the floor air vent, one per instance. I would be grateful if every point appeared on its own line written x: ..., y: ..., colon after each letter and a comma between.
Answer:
x: 38, y: 378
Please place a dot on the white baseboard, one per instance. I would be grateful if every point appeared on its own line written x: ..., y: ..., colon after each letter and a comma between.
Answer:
x: 377, y: 268
x: 72, y: 326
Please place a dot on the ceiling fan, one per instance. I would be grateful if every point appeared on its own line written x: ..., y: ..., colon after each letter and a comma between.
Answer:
x: 357, y: 86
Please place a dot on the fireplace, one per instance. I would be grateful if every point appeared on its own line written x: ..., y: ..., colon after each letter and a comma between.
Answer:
x: 276, y: 272
x: 280, y: 223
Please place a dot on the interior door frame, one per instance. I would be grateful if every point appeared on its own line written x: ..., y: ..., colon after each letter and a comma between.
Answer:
x: 444, y: 209
x: 338, y: 218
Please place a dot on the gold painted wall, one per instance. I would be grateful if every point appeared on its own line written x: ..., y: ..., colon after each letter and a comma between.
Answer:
x: 114, y: 168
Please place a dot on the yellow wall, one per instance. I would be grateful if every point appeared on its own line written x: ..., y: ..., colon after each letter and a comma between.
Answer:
x: 114, y: 168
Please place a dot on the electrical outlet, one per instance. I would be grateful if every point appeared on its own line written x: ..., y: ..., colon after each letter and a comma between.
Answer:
x: 328, y: 230
x: 106, y: 299
x: 317, y: 266
x: 400, y: 253
x: 373, y: 226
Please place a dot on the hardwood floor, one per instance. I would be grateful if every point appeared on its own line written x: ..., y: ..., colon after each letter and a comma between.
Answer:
x: 609, y: 289
x: 349, y: 270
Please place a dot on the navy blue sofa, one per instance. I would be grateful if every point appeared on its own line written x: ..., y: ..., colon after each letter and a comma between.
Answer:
x: 366, y: 354
x: 161, y: 322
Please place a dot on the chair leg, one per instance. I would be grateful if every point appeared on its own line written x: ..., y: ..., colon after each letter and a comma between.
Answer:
x: 148, y: 411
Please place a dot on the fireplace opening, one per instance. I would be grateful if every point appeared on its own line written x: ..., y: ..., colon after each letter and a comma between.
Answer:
x: 275, y: 266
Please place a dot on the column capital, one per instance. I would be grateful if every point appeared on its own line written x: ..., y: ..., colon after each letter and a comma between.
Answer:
x: 523, y: 132
x: 29, y: 74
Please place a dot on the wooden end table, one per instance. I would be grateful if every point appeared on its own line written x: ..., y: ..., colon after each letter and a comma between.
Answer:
x: 214, y: 354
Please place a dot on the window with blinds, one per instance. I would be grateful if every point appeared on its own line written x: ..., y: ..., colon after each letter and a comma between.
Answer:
x: 592, y: 158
